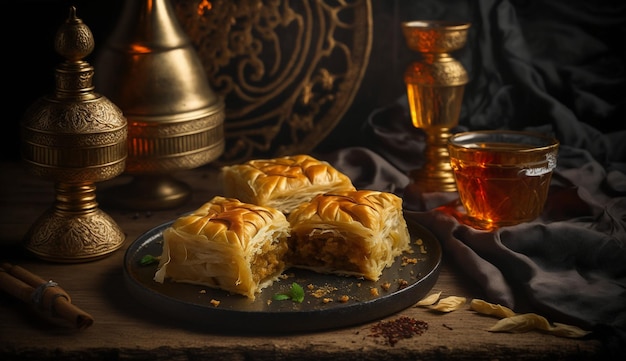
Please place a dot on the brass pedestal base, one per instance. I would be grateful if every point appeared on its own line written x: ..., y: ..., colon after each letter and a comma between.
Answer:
x: 148, y: 192
x: 75, y: 229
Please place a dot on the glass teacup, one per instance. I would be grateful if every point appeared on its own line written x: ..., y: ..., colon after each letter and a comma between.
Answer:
x: 502, y: 177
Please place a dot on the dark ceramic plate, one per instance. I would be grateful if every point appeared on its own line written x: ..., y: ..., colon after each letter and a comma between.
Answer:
x: 409, y: 282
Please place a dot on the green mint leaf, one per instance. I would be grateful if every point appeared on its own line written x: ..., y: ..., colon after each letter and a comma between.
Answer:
x: 148, y: 260
x: 281, y: 297
x: 297, y: 293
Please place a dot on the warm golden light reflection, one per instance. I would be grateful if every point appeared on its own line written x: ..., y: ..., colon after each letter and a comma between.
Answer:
x: 138, y: 48
x: 204, y: 6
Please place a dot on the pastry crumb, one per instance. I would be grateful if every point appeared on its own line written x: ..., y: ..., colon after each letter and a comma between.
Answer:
x: 323, y: 291
x: 402, y: 283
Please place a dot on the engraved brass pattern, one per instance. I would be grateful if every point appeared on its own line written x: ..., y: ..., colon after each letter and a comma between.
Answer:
x: 91, y: 117
x: 78, y: 233
x: 96, y: 228
x: 74, y: 137
x: 287, y: 70
x: 96, y: 174
x: 55, y: 130
x: 162, y: 147
x: 435, y: 36
x: 440, y: 72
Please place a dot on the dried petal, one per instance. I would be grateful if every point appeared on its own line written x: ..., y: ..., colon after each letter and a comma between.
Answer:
x: 429, y: 300
x: 491, y: 309
x: 520, y: 323
x: 449, y: 304
x: 531, y: 321
x: 569, y: 331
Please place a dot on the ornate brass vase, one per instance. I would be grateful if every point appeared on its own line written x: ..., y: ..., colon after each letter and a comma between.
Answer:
x: 74, y: 137
x: 435, y: 87
x: 151, y: 70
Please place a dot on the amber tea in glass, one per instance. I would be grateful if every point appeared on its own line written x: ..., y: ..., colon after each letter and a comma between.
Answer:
x: 502, y: 177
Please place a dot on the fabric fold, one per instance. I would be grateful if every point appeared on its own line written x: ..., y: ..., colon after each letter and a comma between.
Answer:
x: 539, y: 67
x: 569, y: 265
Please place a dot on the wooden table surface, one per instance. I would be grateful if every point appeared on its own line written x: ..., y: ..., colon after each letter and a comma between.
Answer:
x: 125, y: 330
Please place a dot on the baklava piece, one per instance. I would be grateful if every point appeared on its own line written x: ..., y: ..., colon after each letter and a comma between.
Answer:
x: 226, y: 244
x: 282, y: 183
x: 352, y: 233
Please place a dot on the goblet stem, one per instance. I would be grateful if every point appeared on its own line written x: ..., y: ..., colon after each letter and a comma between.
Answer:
x: 436, y: 174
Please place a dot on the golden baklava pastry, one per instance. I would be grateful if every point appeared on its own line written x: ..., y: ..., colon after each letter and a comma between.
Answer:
x: 353, y: 233
x: 282, y: 183
x: 226, y: 244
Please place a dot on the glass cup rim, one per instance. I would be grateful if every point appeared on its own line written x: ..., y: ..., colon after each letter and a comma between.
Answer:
x: 436, y: 24
x: 466, y: 138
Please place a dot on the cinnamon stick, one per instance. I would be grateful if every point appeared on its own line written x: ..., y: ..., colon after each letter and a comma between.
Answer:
x: 45, y: 295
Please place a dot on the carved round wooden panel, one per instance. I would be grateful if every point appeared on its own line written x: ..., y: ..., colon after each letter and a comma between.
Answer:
x: 287, y: 70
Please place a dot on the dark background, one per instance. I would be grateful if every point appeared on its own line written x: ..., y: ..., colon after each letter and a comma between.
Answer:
x: 31, y: 59
x: 530, y: 62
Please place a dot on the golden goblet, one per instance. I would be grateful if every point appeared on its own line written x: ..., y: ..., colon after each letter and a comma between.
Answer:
x: 435, y: 86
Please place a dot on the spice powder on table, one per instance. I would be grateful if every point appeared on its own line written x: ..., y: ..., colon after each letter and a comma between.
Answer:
x: 393, y: 331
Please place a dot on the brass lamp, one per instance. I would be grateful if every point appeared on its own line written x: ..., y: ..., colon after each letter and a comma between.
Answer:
x: 150, y: 69
x: 435, y: 86
x: 74, y: 137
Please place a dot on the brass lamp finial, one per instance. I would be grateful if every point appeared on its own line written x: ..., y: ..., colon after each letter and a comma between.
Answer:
x: 74, y: 137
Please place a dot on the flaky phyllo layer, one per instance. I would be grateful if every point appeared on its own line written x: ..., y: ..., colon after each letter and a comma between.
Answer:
x: 282, y: 183
x: 227, y: 244
x: 356, y: 233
